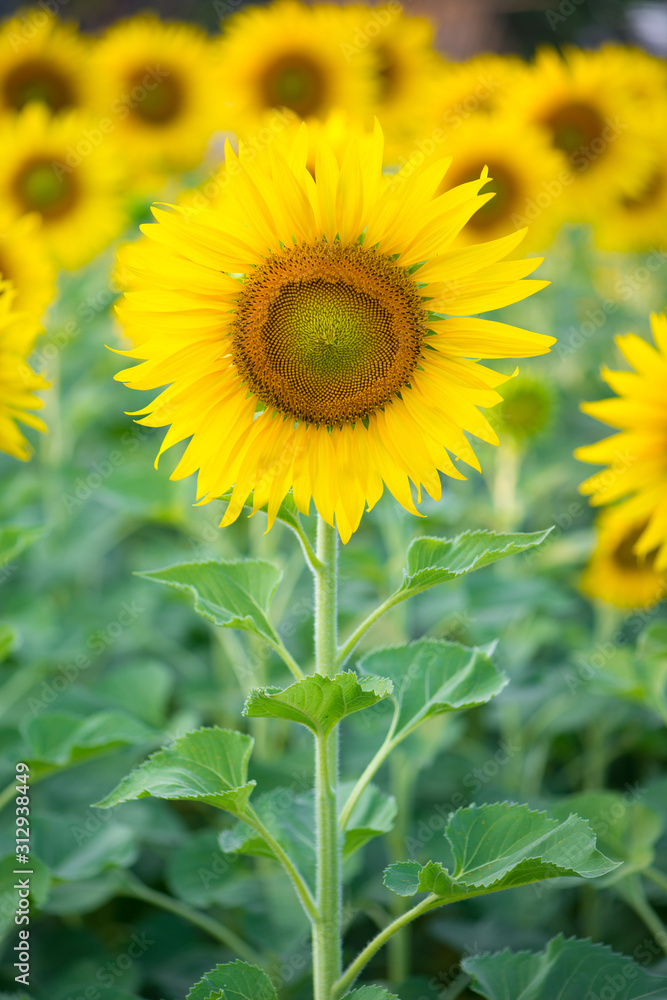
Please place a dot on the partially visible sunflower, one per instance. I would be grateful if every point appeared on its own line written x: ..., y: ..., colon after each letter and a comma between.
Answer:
x: 470, y: 91
x: 52, y: 167
x: 42, y: 60
x: 522, y: 170
x: 18, y: 382
x: 291, y: 56
x: 637, y: 222
x: 615, y: 573
x: 25, y: 263
x: 635, y: 479
x: 645, y: 75
x: 304, y: 342
x: 592, y: 119
x: 162, y: 91
x: 404, y: 63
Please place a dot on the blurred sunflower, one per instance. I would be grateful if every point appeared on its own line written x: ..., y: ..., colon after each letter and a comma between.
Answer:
x: 301, y: 340
x: 25, y: 263
x: 18, y: 382
x: 592, y: 119
x: 42, y: 60
x: 615, y: 573
x: 404, y: 64
x: 635, y: 479
x: 637, y: 222
x: 291, y: 56
x: 53, y: 167
x: 160, y: 88
x: 461, y: 92
x: 522, y: 171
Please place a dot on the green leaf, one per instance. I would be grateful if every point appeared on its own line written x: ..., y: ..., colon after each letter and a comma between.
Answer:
x: 500, y: 846
x: 565, y: 970
x: 435, y: 560
x: 626, y: 829
x: 209, y: 765
x: 318, y: 702
x: 370, y: 993
x: 234, y: 981
x: 141, y: 688
x: 61, y: 738
x: 290, y: 818
x: 15, y: 539
x: 432, y: 676
x: 229, y: 594
x: 39, y: 885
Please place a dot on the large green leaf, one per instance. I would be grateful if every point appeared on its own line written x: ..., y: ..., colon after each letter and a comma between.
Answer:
x: 209, y: 765
x: 373, y: 814
x: 234, y: 981
x: 565, y: 970
x: 142, y: 688
x: 230, y: 594
x: 432, y: 676
x: 61, y: 738
x: 499, y: 846
x: 626, y: 829
x: 319, y: 702
x: 435, y: 560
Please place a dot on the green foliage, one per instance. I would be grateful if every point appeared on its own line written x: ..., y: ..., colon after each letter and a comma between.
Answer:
x: 230, y: 594
x: 502, y: 846
x: 235, y: 981
x: 210, y: 765
x: 319, y: 702
x: 370, y: 993
x: 436, y: 560
x: 565, y: 970
x: 431, y: 677
x: 61, y: 738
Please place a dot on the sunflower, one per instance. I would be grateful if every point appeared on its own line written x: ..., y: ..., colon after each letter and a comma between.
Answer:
x: 160, y: 88
x: 291, y: 56
x: 302, y: 341
x: 637, y: 222
x: 593, y: 119
x: 615, y: 573
x: 404, y: 63
x: 42, y: 60
x: 523, y: 170
x: 61, y: 170
x: 25, y: 263
x: 635, y: 479
x: 18, y: 382
x: 469, y: 91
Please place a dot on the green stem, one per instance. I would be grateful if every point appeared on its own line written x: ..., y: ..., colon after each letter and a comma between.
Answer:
x: 327, y: 930
x: 359, y: 632
x: 650, y: 918
x: 657, y: 876
x: 137, y: 890
x: 370, y: 771
x: 374, y: 946
x: 309, y: 552
x: 288, y: 659
x: 303, y: 892
x: 402, y: 785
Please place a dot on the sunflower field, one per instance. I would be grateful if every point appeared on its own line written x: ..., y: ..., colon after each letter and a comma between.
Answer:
x: 333, y: 520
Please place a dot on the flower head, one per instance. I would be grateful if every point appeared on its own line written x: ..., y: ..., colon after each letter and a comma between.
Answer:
x: 303, y: 336
x: 18, y: 382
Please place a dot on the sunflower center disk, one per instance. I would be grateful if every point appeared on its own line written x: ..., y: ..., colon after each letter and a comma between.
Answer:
x: 328, y: 333
x: 627, y: 559
x: 574, y: 126
x: 46, y: 187
x: 158, y: 99
x: 36, y: 80
x: 295, y: 81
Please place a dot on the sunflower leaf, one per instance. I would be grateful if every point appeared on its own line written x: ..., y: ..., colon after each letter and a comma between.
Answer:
x: 319, y: 702
x: 436, y: 560
x: 501, y: 846
x: 565, y: 970
x: 233, y: 594
x: 209, y: 765
x: 431, y: 677
x: 14, y: 539
x: 234, y: 981
x: 370, y: 993
x: 62, y: 738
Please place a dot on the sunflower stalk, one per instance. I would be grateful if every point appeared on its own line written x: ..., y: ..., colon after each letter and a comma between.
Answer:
x: 327, y: 930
